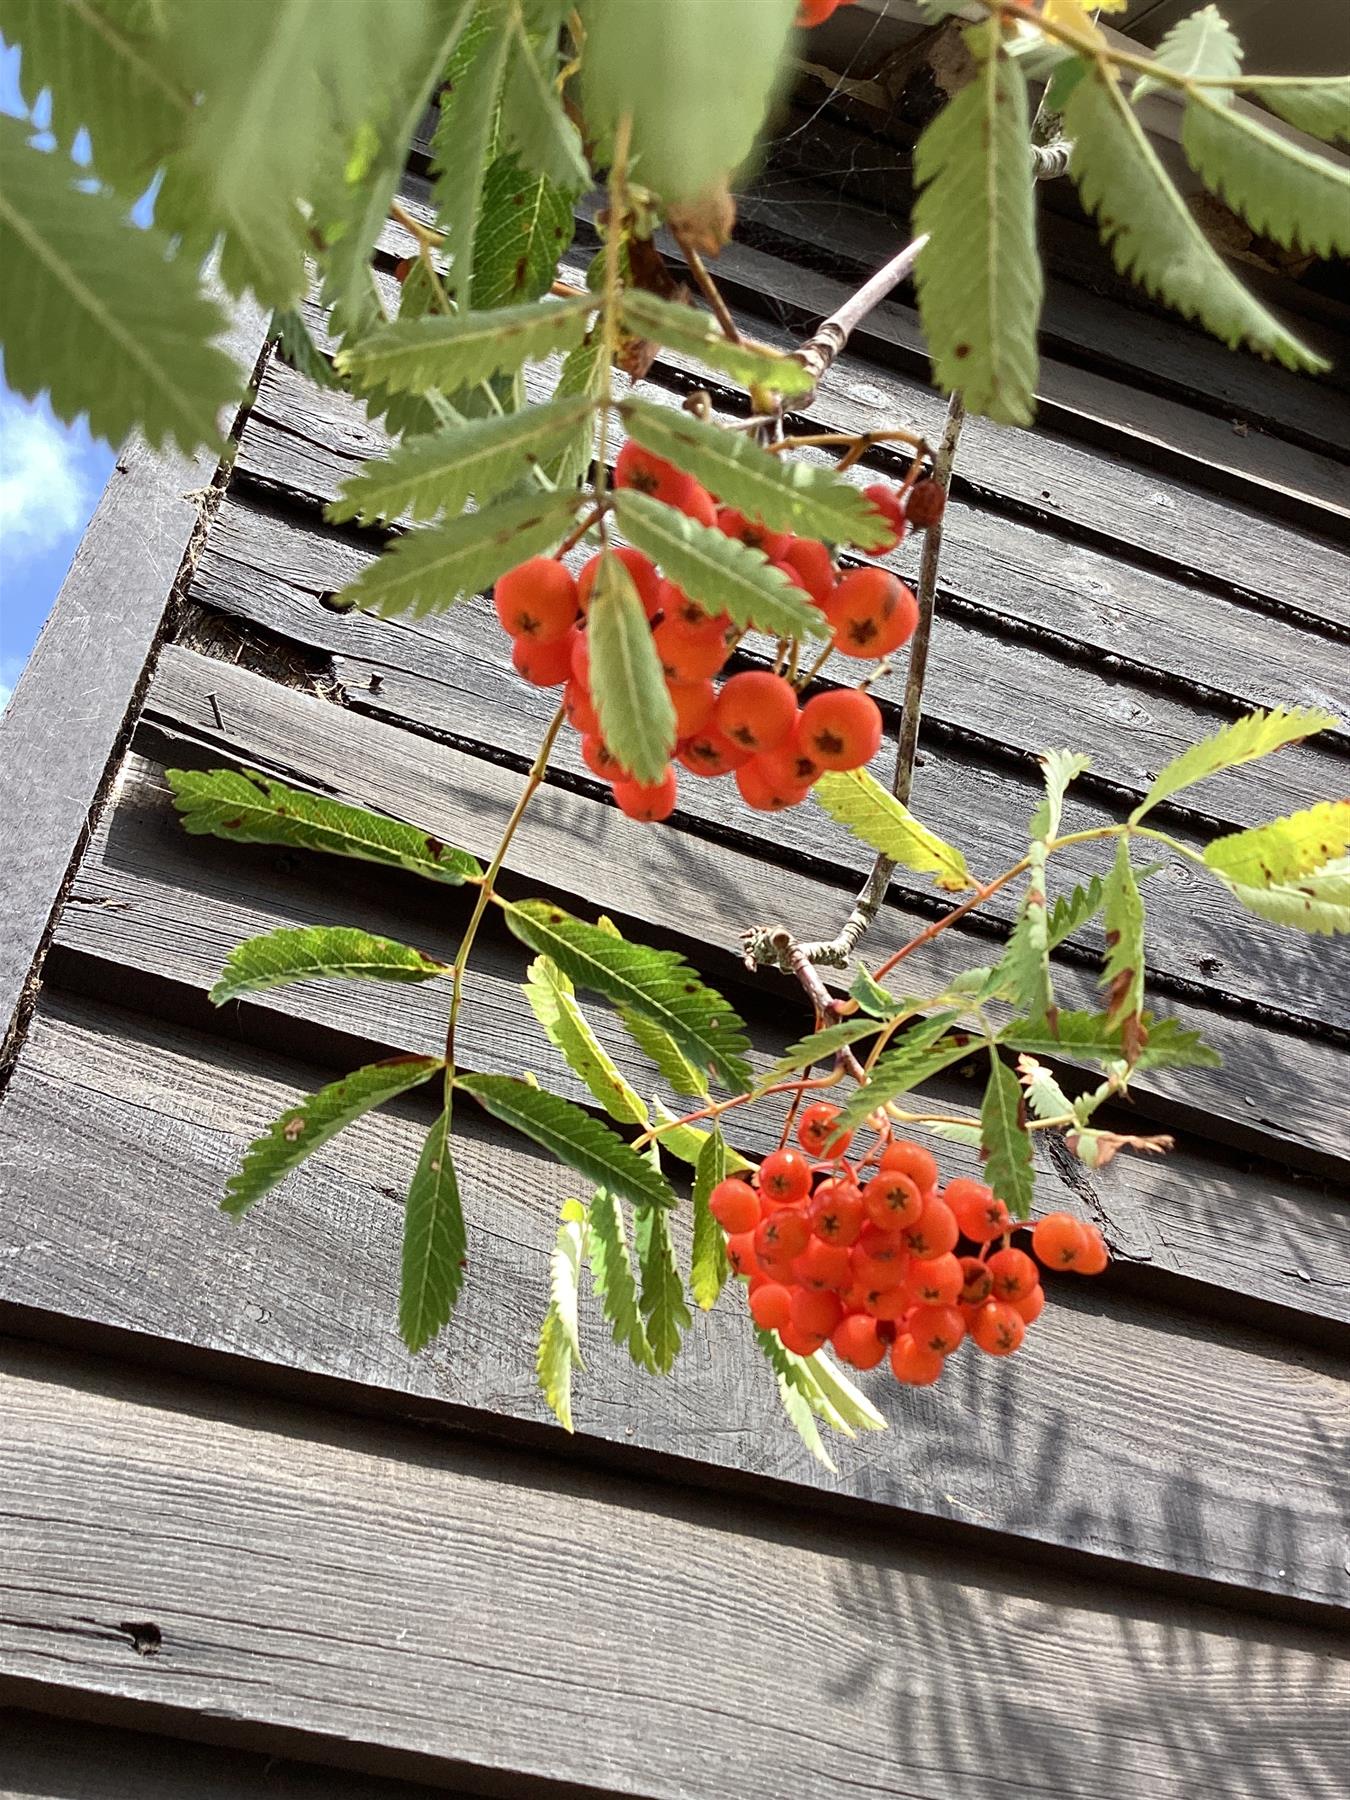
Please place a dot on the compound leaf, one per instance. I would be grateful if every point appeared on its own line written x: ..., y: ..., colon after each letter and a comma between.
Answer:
x: 440, y: 351
x: 464, y: 141
x: 573, y: 1136
x: 1282, y: 190
x: 525, y: 226
x: 1319, y: 105
x: 916, y: 1054
x: 662, y: 1296
x: 1123, y: 976
x: 551, y: 999
x: 708, y: 1268
x: 1246, y: 740
x: 615, y: 1283
x: 1087, y: 1037
x: 559, y: 1339
x: 1269, y: 855
x: 695, y: 333
x: 1203, y: 44
x: 818, y: 1047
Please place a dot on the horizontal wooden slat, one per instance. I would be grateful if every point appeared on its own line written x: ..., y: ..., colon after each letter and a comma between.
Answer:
x: 149, y: 898
x: 463, y: 686
x: 1126, y: 1429
x: 380, y: 1588
x: 656, y: 879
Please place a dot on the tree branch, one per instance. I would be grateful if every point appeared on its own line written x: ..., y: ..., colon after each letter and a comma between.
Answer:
x: 818, y: 353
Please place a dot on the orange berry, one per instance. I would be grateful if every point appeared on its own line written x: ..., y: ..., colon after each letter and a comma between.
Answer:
x: 816, y: 1311
x: 912, y: 1364
x: 801, y: 1343
x: 981, y: 1215
x: 645, y: 801
x: 997, y: 1328
x: 537, y: 600
x: 815, y: 12
x: 708, y: 753
x: 913, y: 1160
x: 693, y: 702
x: 882, y: 1247
x: 600, y: 759
x: 689, y: 655
x: 900, y: 627
x: 790, y: 763
x: 756, y: 709
x: 1060, y: 1241
x: 784, y: 1178
x: 892, y: 1200
x: 934, y: 1232
x: 836, y: 1212
x: 542, y: 665
x: 1096, y: 1257
x: 809, y: 560
x: 861, y: 609
x: 1031, y: 1305
x: 976, y: 1282
x: 581, y: 714
x: 640, y: 567
x: 637, y: 468
x: 937, y: 1328
x: 753, y: 532
x: 815, y: 1133
x: 887, y: 1303
x: 741, y: 1253
x: 764, y: 790
x: 771, y: 1306
x: 823, y: 1265
x: 854, y: 1340
x: 783, y: 1232
x: 581, y: 660
x: 935, y: 1281
x: 699, y: 505
x: 735, y: 1205
x: 841, y: 729
x: 1013, y: 1274
x: 886, y: 501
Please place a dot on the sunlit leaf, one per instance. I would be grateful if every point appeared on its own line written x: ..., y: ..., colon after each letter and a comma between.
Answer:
x: 858, y: 800
x: 306, y: 953
x: 1004, y: 1143
x: 615, y: 1282
x: 551, y: 999
x: 628, y: 687
x: 708, y: 1268
x: 434, y: 1242
x: 573, y: 1136
x: 1247, y: 739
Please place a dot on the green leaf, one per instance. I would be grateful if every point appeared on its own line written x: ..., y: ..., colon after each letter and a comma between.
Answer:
x: 431, y: 569
x: 720, y: 572
x: 1023, y: 973
x: 786, y: 493
x: 686, y: 1141
x: 708, y: 1269
x: 818, y: 1047
x: 583, y: 372
x: 662, y: 1296
x: 1282, y: 190
x: 464, y: 141
x: 550, y: 995
x: 957, y: 1134
x: 1059, y: 768
x: 798, y: 1393
x: 299, y: 349
x: 1269, y: 855
x: 858, y: 800
x: 305, y: 953
x: 434, y: 1242
x: 662, y: 1049
x: 914, y: 1056
x: 979, y: 278
x: 437, y: 473
x: 302, y: 1129
x: 870, y: 995
x: 836, y: 1390
x: 1319, y: 105
x: 1045, y: 1096
x: 525, y: 226
x: 573, y: 1136
x: 533, y: 118
x: 659, y: 984
x: 695, y: 333
x: 1247, y: 739
x: 1071, y: 912
x: 249, y: 809
x: 448, y: 352
x: 1123, y: 976
x: 1151, y: 232
x: 95, y: 313
x: 615, y: 1284
x: 1202, y: 44
x: 1086, y: 1037
x: 1318, y: 902
x: 1005, y: 1146
x: 697, y: 93
x: 559, y: 1340
x: 632, y: 701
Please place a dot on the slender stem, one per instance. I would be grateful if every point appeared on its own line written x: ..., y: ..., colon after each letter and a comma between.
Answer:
x: 707, y: 286
x: 575, y: 536
x: 866, y: 439
x: 818, y: 353
x: 424, y: 234
x: 938, y: 926
x: 717, y: 1107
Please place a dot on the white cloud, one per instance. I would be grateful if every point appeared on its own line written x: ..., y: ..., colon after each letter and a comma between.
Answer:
x: 45, y: 490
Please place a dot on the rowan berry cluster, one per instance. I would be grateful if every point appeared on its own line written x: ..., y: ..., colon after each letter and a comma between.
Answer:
x: 875, y: 1259
x: 753, y: 725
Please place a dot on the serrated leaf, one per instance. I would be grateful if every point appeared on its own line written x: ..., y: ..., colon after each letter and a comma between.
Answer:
x: 957, y: 1134
x: 1150, y: 230
x: 559, y: 1339
x: 615, y: 1283
x: 1071, y: 912
x: 1005, y: 1146
x: 796, y: 1391
x: 659, y: 984
x: 1084, y: 1036
x: 857, y: 800
x: 1246, y: 740
x: 547, y: 141
x: 979, y: 278
x: 306, y: 953
x: 303, y: 1129
x: 914, y: 1056
x: 1123, y: 976
x: 708, y: 1267
x: 1203, y: 44
x: 1318, y: 902
x: 628, y: 688
x: 550, y: 995
x: 818, y: 1047
x: 853, y: 1407
x: 299, y: 349
x: 97, y: 314
x: 786, y: 494
x: 245, y: 808
x: 583, y: 371
x: 1058, y: 769
x: 454, y: 351
x: 525, y: 226
x: 430, y: 569
x: 686, y: 1141
x: 870, y: 995
x: 1319, y: 105
x: 463, y: 143
x: 662, y: 1049
x: 1045, y: 1096
x: 434, y: 1242
x: 720, y: 572
x: 1269, y: 855
x: 437, y: 473
x: 695, y: 333
x: 1023, y: 973
x: 1282, y: 190
x: 571, y: 1135
x: 662, y: 1294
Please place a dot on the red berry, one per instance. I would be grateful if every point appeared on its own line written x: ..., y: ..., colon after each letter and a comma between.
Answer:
x: 784, y: 1178
x: 543, y: 665
x: 886, y: 501
x: 756, y: 709
x: 1031, y: 1305
x: 771, y: 1306
x: 841, y: 729
x: 693, y: 702
x: 741, y: 1253
x: 823, y: 1265
x: 924, y: 504
x: 1096, y: 1257
x: 1060, y: 1241
x: 855, y: 1341
x: 784, y: 1232
x: 676, y: 606
x: 645, y: 801
x: 892, y: 1200
x: 935, y: 1231
x: 912, y: 1364
x: 997, y: 1328
x: 689, y: 655
x: 581, y: 660
x: 937, y: 1328
x: 976, y: 1282
x: 815, y: 12
x: 801, y: 1343
x: 735, y: 1205
x: 1013, y: 1274
x: 900, y: 628
x: 935, y: 1281
x: 790, y: 764
x: 699, y: 505
x: 861, y: 610
x: 709, y: 753
x: 640, y: 567
x: 810, y: 561
x: 753, y: 532
x: 815, y: 1131
x: 912, y: 1160
x: 581, y: 715
x: 637, y: 468
x: 816, y: 1311
x: 881, y: 1246
x: 763, y: 789
x: 836, y: 1212
x: 981, y: 1215
x: 600, y: 760
x: 888, y: 1303
x: 537, y: 600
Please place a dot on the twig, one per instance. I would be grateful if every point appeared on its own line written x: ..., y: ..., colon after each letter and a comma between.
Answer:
x: 818, y: 353
x: 859, y: 442
x: 707, y: 286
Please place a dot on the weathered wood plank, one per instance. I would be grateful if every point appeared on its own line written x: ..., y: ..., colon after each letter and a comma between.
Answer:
x: 655, y: 878
x: 1124, y: 1431
x: 470, y: 692
x: 72, y: 702
x: 150, y: 899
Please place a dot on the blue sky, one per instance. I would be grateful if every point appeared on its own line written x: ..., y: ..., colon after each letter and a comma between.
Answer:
x: 50, y: 481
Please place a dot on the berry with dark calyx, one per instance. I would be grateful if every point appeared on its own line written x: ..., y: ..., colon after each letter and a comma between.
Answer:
x: 861, y: 609
x: 735, y: 1205
x: 637, y: 468
x: 1059, y: 1240
x: 823, y: 1265
x: 816, y: 1133
x: 708, y: 753
x: 902, y: 623
x: 542, y: 665
x: 924, y: 504
x: 763, y: 789
x: 790, y: 764
x: 1031, y: 1305
x: 693, y: 702
x: 977, y: 1282
x: 783, y: 1232
x: 886, y: 501
x: 836, y: 1212
x: 980, y: 1213
x: 816, y: 1311
x: 890, y: 1303
x: 882, y: 1247
x: 997, y: 1328
x: 647, y: 801
x: 753, y: 532
x: 537, y: 600
x: 892, y: 1200
x: 809, y: 561
x: 756, y: 709
x: 601, y: 760
x: 937, y: 1328
x: 911, y: 1159
x: 784, y: 1178
x: 841, y: 729
x: 914, y: 1365
x: 801, y: 1343
x: 678, y: 606
x: 1013, y: 1274
x: 935, y: 1231
x: 581, y: 714
x: 689, y: 655
x: 938, y: 1281
x: 642, y: 570
x: 855, y: 1340
x: 1096, y: 1258
x: 771, y: 1306
x: 741, y: 1253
